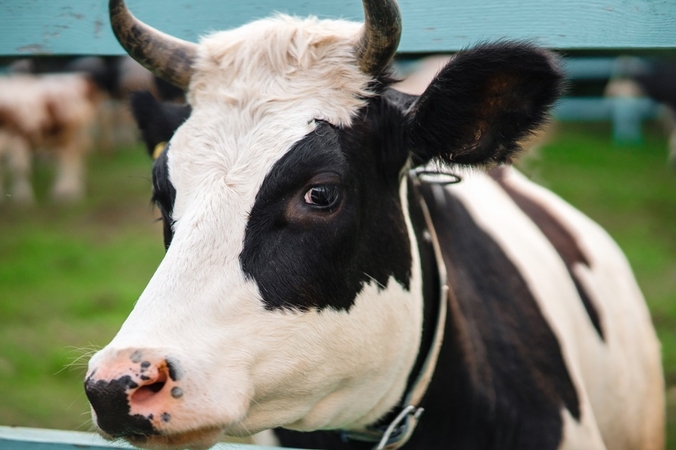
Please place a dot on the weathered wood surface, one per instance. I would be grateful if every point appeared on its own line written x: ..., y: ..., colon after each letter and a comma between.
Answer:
x: 17, y: 438
x: 74, y: 27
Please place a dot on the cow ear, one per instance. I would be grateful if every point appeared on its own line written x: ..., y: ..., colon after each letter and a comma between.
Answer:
x: 482, y: 103
x: 157, y: 120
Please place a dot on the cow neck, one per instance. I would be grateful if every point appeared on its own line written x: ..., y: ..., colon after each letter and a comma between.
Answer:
x: 397, y: 427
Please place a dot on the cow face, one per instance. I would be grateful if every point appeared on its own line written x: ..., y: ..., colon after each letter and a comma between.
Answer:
x: 291, y: 294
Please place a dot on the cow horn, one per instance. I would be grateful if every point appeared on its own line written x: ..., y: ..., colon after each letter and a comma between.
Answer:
x: 380, y: 38
x: 166, y: 56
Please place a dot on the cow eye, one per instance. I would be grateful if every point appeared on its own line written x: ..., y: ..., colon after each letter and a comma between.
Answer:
x: 323, y: 197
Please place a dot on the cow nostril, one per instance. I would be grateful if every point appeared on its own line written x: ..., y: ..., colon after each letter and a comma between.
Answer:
x: 156, y: 387
x: 145, y: 392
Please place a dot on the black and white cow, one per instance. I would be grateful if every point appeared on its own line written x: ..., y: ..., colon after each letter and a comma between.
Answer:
x: 315, y: 283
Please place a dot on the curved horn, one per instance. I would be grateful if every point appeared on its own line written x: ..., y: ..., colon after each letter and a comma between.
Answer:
x: 380, y: 38
x: 166, y: 56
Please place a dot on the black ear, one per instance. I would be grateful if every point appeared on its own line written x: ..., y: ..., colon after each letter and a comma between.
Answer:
x: 483, y: 102
x: 157, y: 120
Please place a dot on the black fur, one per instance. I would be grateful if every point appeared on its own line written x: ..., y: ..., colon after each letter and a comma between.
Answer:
x: 483, y: 102
x: 109, y: 399
x: 164, y: 195
x: 157, y: 121
x: 565, y: 243
x: 303, y: 259
x: 334, y: 440
x: 501, y: 382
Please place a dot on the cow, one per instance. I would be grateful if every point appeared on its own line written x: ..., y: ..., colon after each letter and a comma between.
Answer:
x: 55, y: 112
x: 116, y: 77
x: 656, y: 82
x: 357, y: 268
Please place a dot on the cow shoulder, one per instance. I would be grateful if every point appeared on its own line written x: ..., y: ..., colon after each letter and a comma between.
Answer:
x: 509, y: 379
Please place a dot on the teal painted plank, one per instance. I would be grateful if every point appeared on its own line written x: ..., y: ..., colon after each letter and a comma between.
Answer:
x: 82, y: 27
x: 17, y: 438
x: 605, y: 68
x: 604, y: 108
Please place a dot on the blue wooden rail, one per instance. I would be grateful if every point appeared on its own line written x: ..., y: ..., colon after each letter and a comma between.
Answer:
x: 17, y: 438
x: 67, y: 27
x: 625, y: 113
x: 29, y: 27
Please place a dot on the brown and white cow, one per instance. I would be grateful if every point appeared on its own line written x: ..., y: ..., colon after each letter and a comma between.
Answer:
x: 52, y: 112
x: 325, y: 278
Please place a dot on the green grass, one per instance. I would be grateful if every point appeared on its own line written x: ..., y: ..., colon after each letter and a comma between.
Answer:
x: 69, y: 275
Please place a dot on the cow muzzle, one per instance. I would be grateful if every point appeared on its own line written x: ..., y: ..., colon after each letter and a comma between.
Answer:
x: 134, y: 393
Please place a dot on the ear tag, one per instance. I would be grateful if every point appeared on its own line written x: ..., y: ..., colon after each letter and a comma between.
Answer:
x: 438, y: 175
x: 158, y: 149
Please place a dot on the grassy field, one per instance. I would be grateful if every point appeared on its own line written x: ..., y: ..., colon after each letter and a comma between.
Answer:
x: 70, y: 275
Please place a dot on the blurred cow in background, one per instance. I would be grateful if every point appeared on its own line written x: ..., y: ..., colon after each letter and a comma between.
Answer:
x: 120, y: 77
x: 52, y: 112
x: 658, y: 83
x: 116, y: 77
x: 66, y: 107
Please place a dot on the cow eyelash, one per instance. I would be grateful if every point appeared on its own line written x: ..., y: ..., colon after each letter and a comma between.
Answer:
x: 323, y: 197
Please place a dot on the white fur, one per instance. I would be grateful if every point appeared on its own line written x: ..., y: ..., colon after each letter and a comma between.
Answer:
x: 257, y: 90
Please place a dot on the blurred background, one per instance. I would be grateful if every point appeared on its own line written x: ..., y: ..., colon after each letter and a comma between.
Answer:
x: 79, y: 238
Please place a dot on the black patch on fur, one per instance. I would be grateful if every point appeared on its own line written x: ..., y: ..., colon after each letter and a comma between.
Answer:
x: 110, y: 401
x: 136, y: 357
x: 157, y: 121
x: 167, y: 91
x: 164, y: 195
x: 503, y: 381
x: 430, y: 278
x: 326, y: 440
x: 175, y: 372
x: 176, y: 392
x: 315, y: 262
x: 483, y: 102
x: 563, y: 241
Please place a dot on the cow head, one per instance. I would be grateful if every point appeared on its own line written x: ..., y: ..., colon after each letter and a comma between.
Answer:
x: 290, y: 293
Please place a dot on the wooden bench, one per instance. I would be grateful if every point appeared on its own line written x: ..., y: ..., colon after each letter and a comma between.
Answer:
x: 576, y: 27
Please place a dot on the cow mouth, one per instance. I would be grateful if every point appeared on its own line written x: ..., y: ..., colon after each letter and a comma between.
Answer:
x: 198, y: 439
